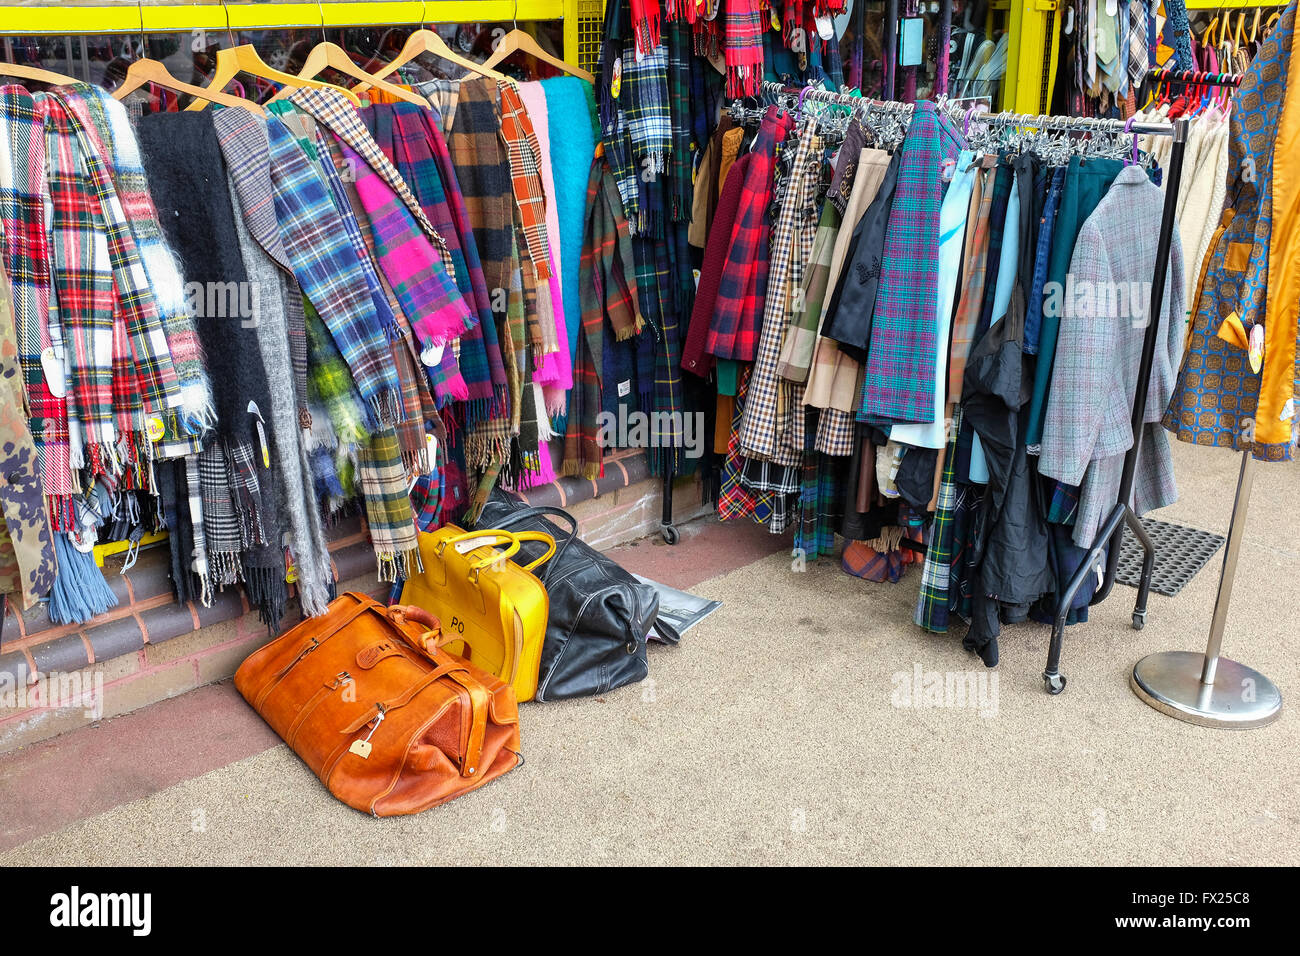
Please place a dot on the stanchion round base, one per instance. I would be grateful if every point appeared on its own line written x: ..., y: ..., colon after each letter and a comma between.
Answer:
x: 1240, y: 698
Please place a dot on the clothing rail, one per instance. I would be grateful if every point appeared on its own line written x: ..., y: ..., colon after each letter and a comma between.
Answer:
x: 1072, y: 124
x: 1186, y: 78
x: 1112, y: 531
x: 582, y: 18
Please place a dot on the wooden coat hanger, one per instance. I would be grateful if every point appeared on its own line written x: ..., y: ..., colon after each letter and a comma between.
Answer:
x: 36, y: 74
x: 517, y: 41
x: 145, y: 71
x: 423, y: 41
x: 331, y: 56
x: 246, y: 59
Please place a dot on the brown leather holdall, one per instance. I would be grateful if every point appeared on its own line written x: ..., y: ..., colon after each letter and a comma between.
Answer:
x: 387, y: 720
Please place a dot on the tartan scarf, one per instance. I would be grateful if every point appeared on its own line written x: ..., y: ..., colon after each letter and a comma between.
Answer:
x: 331, y: 387
x: 644, y: 101
x: 100, y: 283
x: 198, y: 410
x: 24, y: 232
x: 743, y: 49
x: 682, y: 72
x: 525, y: 174
x: 645, y: 25
x: 483, y: 172
x: 329, y: 272
x: 733, y: 328
x: 418, y: 404
x: 223, y: 532
x: 389, y: 518
x: 608, y: 288
x: 412, y: 141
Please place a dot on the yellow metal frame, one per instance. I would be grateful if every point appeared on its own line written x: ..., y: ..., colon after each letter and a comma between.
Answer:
x: 66, y: 19
x: 1029, y: 54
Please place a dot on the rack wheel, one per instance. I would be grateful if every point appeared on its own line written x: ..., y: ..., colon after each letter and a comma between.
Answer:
x: 1139, y: 620
x: 1054, y: 683
x: 670, y: 534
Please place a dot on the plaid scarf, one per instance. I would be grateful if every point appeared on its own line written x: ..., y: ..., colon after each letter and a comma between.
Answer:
x: 644, y: 101
x: 27, y: 255
x: 224, y: 534
x: 525, y: 175
x: 733, y: 329
x: 389, y: 517
x: 329, y: 271
x: 109, y: 119
x: 412, y: 141
x: 330, y: 385
x: 682, y: 71
x: 100, y: 281
x: 483, y: 172
x: 805, y: 318
x: 608, y: 286
x: 426, y: 291
x: 645, y: 25
x: 743, y: 49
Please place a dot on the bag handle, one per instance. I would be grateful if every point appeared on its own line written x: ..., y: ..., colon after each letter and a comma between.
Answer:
x: 496, y: 536
x: 524, y: 513
x: 541, y: 536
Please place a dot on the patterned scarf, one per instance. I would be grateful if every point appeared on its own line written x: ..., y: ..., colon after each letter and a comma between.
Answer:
x: 682, y: 68
x: 389, y: 518
x: 27, y: 255
x: 743, y: 49
x: 644, y: 102
x: 329, y: 272
x: 646, y: 25
x: 331, y: 387
x: 100, y: 283
x: 198, y: 411
x: 412, y: 141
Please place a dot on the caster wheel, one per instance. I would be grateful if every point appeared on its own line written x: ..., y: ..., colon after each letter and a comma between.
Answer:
x: 670, y: 534
x: 1054, y: 683
x: 1139, y: 620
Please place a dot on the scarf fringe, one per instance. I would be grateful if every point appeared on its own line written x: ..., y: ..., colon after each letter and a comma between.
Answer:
x: 226, y: 568
x: 398, y: 566
x: 80, y: 591
x: 890, y: 539
x: 268, y: 591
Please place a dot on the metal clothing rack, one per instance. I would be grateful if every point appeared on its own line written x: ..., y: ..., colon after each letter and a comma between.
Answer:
x: 1112, y: 530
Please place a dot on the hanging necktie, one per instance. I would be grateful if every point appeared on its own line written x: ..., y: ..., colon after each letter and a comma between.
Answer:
x: 1137, y: 43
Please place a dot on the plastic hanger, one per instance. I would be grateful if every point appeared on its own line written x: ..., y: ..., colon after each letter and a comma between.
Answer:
x: 425, y: 40
x: 517, y: 41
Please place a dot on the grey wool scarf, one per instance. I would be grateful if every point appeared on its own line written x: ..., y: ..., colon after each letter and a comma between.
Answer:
x: 297, y: 501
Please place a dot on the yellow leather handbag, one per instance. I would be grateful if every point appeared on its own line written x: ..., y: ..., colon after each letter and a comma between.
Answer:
x: 493, y: 611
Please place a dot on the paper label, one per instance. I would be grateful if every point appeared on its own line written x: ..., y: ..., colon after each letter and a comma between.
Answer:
x: 1256, y: 352
x: 465, y: 547
x: 53, y: 370
x: 825, y: 27
x: 1288, y: 410
x: 624, y: 389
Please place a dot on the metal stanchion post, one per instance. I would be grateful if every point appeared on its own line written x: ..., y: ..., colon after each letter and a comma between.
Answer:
x: 1205, y: 688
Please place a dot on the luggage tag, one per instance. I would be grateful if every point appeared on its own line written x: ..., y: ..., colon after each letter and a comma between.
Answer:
x: 261, y: 434
x: 363, y: 747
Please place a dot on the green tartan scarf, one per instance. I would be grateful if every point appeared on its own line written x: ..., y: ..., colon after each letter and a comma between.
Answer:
x: 330, y: 384
x: 384, y: 491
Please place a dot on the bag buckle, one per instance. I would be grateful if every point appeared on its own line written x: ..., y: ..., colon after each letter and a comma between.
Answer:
x: 340, y: 679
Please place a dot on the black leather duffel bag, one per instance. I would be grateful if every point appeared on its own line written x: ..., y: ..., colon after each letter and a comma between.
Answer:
x: 600, y: 614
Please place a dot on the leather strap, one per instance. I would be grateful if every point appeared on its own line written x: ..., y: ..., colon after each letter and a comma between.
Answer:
x: 524, y: 514
x: 363, y: 604
x: 478, y: 701
x: 401, y: 700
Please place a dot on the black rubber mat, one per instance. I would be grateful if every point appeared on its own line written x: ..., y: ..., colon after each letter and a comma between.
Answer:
x: 1180, y: 553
